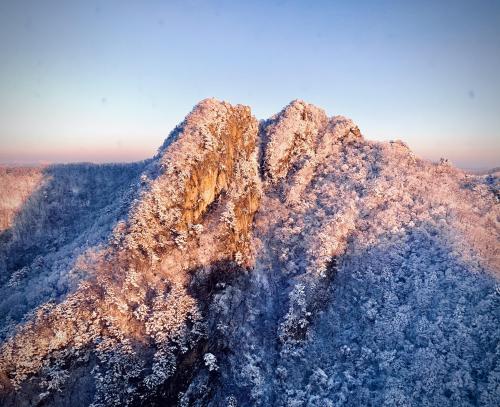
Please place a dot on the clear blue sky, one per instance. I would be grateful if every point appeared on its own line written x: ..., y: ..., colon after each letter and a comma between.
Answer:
x: 108, y: 80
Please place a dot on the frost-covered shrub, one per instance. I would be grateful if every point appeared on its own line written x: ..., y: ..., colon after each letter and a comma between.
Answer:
x: 210, y: 361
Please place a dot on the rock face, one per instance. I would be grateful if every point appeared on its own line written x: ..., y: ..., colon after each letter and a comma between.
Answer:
x: 287, y: 263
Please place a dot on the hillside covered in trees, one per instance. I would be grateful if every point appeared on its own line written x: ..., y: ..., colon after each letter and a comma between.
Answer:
x: 287, y: 262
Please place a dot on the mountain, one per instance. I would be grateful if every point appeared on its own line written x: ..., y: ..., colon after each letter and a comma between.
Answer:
x: 289, y: 262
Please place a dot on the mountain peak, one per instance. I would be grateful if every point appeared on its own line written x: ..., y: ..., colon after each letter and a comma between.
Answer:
x: 204, y: 122
x: 298, y: 109
x: 301, y: 132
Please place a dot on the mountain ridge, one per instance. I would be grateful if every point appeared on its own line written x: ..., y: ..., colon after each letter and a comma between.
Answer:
x: 209, y: 290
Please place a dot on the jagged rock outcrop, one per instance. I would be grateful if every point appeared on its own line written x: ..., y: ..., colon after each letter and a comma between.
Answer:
x: 287, y: 263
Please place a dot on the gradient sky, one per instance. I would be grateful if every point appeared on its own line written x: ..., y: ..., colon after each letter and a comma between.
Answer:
x: 108, y: 80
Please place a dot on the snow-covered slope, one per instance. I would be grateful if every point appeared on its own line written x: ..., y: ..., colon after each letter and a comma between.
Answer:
x: 61, y: 212
x: 291, y: 263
